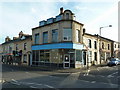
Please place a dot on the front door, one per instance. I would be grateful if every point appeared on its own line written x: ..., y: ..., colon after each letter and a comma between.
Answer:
x: 29, y: 59
x: 84, y: 57
x: 66, y: 63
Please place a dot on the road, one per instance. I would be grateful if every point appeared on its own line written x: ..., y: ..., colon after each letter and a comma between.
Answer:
x: 100, y: 77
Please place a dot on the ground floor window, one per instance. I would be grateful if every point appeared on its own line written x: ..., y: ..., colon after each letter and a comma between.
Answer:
x: 95, y: 56
x: 102, y: 56
x: 108, y: 55
x: 89, y: 56
x: 79, y: 55
x: 25, y: 58
x: 55, y: 57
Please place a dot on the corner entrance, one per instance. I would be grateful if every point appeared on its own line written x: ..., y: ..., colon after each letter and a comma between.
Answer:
x: 66, y: 63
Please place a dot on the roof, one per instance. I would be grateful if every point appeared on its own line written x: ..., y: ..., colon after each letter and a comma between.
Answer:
x: 18, y: 39
x: 98, y: 36
x: 56, y: 22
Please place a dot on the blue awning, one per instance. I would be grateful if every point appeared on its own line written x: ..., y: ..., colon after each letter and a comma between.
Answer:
x: 58, y: 46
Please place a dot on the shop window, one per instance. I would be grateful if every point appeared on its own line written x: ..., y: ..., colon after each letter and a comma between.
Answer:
x: 44, y: 56
x: 78, y: 55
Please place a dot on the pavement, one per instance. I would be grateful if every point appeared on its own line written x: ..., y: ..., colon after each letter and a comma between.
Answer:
x: 59, y: 70
x: 100, y: 76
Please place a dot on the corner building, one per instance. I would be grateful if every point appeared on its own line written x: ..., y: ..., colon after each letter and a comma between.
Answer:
x: 58, y: 42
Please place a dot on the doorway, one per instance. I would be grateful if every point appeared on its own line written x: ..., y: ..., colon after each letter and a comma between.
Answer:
x: 84, y: 57
x: 66, y: 63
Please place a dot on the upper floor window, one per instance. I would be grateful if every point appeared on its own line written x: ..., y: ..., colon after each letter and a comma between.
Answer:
x: 41, y: 23
x: 25, y: 46
x: 10, y: 49
x: 67, y: 15
x: 16, y: 47
x: 118, y: 45
x: 95, y: 56
x: 89, y: 43
x: 108, y: 46
x: 55, y: 35
x: 50, y: 20
x: 59, y: 17
x: 36, y: 38
x: 102, y: 45
x: 115, y: 45
x: 78, y: 35
x: 67, y: 34
x: 95, y: 44
x: 45, y: 37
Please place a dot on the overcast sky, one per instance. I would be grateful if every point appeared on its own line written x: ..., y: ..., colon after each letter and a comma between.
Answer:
x: 22, y: 15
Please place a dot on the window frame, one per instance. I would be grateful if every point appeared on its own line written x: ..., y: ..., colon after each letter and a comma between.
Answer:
x: 44, y: 37
x: 37, y: 38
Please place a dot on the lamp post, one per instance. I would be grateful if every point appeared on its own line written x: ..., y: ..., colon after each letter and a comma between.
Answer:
x: 100, y: 40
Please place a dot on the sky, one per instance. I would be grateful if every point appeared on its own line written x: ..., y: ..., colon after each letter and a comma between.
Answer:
x: 23, y: 15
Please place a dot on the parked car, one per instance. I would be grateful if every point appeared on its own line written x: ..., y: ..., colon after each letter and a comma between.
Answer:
x: 113, y: 61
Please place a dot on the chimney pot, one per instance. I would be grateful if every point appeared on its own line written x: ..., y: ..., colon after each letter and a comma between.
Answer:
x: 61, y: 10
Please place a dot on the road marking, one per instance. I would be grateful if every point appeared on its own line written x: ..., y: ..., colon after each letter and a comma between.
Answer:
x: 93, y: 82
x: 48, y: 86
x: 14, y: 80
x: 87, y: 72
x: 15, y: 83
x: 111, y: 75
x: 26, y: 72
x: 33, y: 87
x: 36, y: 84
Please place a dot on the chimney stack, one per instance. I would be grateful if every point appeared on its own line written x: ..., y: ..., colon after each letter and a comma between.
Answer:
x: 61, y: 10
x: 20, y: 34
x: 7, y: 39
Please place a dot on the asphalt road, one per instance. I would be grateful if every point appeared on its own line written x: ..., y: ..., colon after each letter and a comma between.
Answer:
x: 100, y: 77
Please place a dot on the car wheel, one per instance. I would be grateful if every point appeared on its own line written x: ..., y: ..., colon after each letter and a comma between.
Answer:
x: 116, y: 63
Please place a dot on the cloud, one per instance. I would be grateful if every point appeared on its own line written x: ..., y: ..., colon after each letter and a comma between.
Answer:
x: 104, y: 16
x: 33, y: 10
x: 81, y: 8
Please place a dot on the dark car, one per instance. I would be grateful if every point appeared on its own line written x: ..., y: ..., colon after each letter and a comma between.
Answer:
x: 113, y: 61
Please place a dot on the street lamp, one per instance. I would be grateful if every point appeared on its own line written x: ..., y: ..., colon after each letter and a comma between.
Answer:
x: 100, y: 40
x: 104, y: 27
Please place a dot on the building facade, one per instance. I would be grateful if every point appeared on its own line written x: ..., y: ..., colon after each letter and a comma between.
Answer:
x: 116, y: 49
x: 91, y: 49
x: 58, y: 42
x: 97, y: 48
x: 18, y: 50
